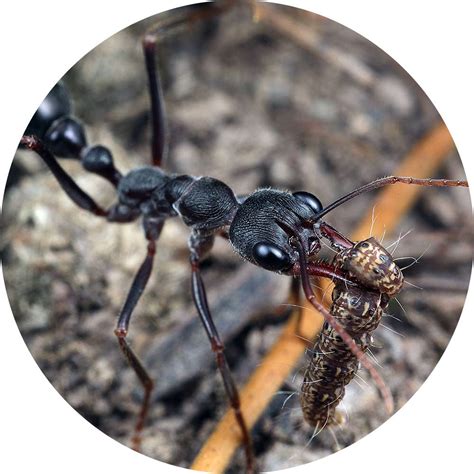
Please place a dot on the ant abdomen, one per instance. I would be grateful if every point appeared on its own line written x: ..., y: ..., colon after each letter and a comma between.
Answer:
x: 66, y: 137
x: 53, y: 122
x: 56, y: 104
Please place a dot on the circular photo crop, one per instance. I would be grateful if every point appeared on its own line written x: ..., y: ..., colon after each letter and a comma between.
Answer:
x: 187, y: 257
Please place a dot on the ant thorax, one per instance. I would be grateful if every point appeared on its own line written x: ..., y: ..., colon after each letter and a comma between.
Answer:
x: 206, y: 205
x: 203, y: 203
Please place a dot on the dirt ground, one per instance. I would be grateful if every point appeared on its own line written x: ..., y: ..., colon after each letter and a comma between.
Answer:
x: 249, y: 105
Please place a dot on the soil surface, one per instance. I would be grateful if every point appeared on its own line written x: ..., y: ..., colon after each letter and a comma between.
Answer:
x: 251, y: 106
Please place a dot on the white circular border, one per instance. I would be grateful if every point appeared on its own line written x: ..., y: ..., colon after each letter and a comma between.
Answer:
x: 40, y: 41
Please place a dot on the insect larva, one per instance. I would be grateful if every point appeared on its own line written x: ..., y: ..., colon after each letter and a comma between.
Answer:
x: 358, y: 306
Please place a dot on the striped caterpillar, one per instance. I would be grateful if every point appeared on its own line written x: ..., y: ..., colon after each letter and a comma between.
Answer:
x: 357, y: 304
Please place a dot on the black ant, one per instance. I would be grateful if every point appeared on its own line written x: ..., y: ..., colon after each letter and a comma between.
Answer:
x: 276, y: 230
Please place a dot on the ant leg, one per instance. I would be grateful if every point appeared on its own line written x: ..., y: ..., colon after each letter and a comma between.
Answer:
x: 159, y: 143
x: 117, y: 213
x: 319, y: 269
x: 295, y: 298
x: 163, y: 29
x: 199, y: 246
x: 121, y: 330
x: 81, y: 198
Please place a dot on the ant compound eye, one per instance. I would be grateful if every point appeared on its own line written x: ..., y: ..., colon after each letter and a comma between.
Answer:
x: 270, y: 257
x: 310, y: 200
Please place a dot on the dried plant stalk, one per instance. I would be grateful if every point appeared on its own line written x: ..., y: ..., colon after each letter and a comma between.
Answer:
x: 391, y: 204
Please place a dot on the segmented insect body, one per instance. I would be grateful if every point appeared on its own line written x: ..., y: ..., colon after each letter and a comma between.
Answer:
x: 358, y: 306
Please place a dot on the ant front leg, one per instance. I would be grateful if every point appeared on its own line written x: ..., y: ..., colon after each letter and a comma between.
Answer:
x: 294, y: 298
x: 314, y: 269
x: 152, y: 230
x: 199, y: 246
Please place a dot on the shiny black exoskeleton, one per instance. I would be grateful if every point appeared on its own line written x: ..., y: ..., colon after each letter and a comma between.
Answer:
x: 261, y: 226
x: 65, y: 137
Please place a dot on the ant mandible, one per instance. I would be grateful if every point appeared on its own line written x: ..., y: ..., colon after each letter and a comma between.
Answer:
x: 276, y: 230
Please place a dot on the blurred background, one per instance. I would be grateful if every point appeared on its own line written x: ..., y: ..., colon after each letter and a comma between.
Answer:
x: 293, y: 101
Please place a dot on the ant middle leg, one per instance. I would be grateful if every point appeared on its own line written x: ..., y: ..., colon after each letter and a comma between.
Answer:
x: 138, y: 286
x: 294, y: 299
x: 199, y: 246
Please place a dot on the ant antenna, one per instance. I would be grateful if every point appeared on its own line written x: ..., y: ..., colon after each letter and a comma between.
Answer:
x: 378, y: 183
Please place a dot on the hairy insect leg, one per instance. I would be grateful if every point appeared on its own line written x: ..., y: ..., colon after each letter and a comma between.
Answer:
x: 160, y: 31
x: 121, y: 330
x: 199, y: 247
x: 77, y: 195
x: 344, y: 335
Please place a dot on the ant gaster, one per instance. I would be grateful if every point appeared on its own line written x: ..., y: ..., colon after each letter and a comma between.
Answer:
x: 276, y: 230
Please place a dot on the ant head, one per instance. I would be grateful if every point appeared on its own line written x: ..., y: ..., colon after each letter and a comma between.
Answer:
x: 267, y: 224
